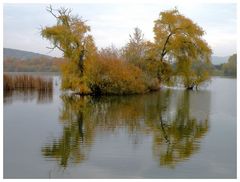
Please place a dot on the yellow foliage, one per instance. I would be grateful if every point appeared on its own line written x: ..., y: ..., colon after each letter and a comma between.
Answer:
x: 179, y: 39
x: 71, y: 78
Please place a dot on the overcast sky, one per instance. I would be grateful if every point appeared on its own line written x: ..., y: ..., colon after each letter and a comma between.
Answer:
x: 112, y: 23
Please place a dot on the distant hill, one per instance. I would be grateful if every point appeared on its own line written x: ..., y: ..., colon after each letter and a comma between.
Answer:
x: 21, y: 55
x: 217, y: 60
x: 24, y: 61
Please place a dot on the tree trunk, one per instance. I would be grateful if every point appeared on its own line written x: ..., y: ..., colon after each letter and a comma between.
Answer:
x: 190, y: 87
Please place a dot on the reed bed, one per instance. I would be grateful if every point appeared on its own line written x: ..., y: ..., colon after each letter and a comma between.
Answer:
x: 25, y: 82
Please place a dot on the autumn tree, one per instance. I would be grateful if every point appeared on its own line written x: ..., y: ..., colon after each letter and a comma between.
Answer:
x: 71, y: 36
x: 134, y: 51
x: 137, y: 52
x: 230, y: 68
x: 179, y: 40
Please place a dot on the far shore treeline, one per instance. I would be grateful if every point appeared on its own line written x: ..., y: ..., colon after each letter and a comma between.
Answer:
x: 178, y: 54
x: 43, y: 64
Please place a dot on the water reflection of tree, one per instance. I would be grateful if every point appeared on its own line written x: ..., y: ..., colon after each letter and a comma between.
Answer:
x: 77, y: 135
x: 166, y: 116
x: 182, y: 134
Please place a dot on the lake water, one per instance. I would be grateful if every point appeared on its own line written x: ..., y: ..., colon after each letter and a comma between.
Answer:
x: 167, y: 134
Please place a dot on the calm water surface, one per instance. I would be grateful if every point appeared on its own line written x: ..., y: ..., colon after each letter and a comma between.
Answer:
x: 167, y: 134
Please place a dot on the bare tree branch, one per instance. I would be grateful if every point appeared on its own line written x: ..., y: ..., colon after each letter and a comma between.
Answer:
x: 50, y: 10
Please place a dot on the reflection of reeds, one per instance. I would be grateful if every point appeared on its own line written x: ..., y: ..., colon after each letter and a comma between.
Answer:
x: 23, y: 82
x: 27, y: 88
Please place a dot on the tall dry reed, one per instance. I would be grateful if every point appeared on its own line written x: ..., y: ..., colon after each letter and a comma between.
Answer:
x: 23, y: 82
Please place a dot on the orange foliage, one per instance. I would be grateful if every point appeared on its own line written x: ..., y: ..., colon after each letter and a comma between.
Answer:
x: 109, y: 75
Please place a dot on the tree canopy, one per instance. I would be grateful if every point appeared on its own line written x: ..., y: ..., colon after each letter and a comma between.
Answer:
x: 178, y: 39
x: 71, y: 36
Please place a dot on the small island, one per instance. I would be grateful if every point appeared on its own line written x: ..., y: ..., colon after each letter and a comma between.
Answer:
x: 178, y: 54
